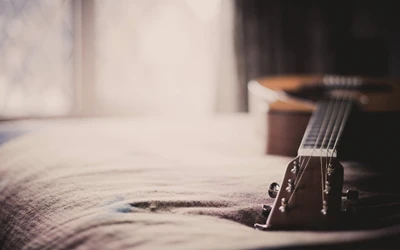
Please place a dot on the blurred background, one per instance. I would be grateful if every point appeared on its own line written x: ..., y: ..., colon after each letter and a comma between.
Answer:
x: 179, y: 57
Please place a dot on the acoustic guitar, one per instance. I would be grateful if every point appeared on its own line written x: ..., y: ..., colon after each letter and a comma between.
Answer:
x: 321, y: 121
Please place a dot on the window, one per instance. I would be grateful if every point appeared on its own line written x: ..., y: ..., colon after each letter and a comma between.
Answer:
x: 36, y: 51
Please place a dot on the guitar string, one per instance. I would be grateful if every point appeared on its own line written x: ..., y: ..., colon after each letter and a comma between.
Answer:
x: 320, y: 129
x: 301, y: 163
x: 336, y: 109
x: 332, y: 131
x: 329, y: 131
x: 301, y: 160
x: 337, y: 122
x: 341, y: 119
x: 322, y: 179
x: 342, y: 122
x: 336, y: 117
x: 323, y: 125
x: 303, y: 169
x: 312, y: 120
x: 324, y: 176
x: 312, y: 152
x: 331, y: 118
x: 342, y: 125
x: 332, y: 122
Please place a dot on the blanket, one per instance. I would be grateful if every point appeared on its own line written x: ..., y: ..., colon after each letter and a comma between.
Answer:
x: 161, y: 183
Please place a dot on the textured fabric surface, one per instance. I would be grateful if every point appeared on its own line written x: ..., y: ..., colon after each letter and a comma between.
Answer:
x: 152, y: 183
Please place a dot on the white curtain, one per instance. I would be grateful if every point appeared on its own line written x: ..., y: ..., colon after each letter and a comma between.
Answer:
x: 164, y: 57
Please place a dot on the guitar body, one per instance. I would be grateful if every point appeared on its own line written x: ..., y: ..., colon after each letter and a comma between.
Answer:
x: 373, y: 124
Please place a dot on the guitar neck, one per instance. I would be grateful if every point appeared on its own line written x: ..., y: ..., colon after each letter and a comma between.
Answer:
x: 325, y: 127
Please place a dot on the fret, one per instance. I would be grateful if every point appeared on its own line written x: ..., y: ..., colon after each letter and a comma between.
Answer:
x: 323, y: 130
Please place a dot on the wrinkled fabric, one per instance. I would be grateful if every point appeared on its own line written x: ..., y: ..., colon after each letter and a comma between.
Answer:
x: 157, y: 183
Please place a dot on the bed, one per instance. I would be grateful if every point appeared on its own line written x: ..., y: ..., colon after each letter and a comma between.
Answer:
x: 161, y: 183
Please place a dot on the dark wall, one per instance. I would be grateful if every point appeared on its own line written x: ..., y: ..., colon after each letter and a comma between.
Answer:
x: 332, y: 37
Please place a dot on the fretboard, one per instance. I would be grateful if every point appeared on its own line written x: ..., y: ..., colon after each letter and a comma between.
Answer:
x: 325, y: 127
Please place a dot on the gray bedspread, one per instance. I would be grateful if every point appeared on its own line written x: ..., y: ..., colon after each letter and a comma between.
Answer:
x: 158, y: 183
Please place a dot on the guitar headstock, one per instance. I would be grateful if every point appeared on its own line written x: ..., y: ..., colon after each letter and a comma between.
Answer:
x: 309, y: 196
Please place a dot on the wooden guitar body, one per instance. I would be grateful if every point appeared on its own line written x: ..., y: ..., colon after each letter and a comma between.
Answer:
x: 371, y: 135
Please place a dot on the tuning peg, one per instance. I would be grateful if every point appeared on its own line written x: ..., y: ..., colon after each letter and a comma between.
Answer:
x: 331, y: 169
x: 351, y: 194
x: 284, y: 204
x: 273, y: 189
x: 295, y: 168
x: 350, y: 210
x: 266, y: 210
x: 289, y: 187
